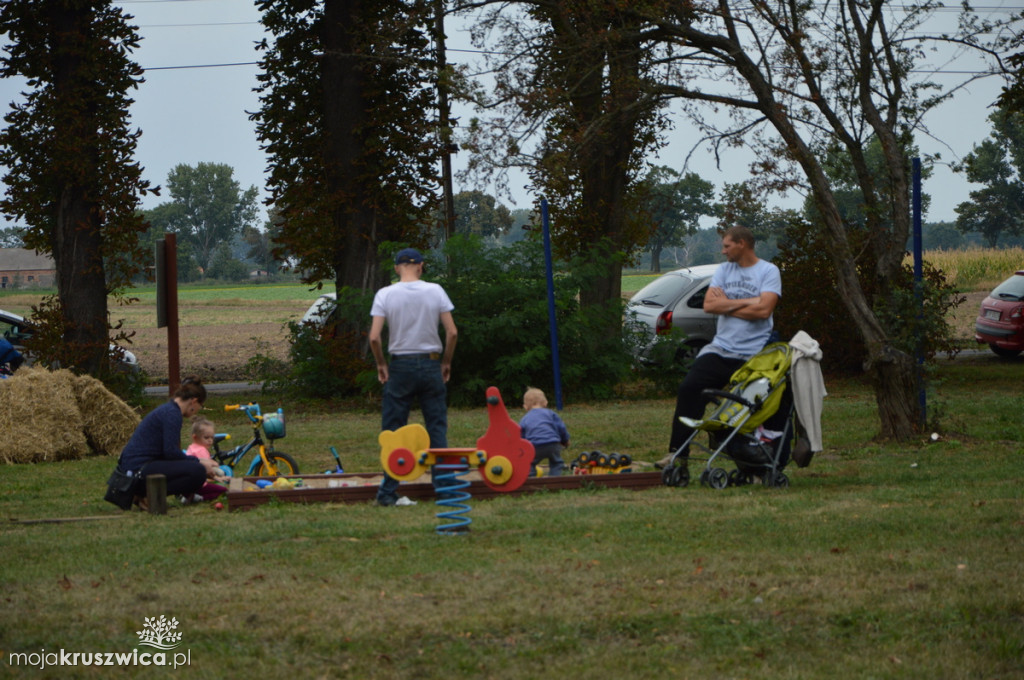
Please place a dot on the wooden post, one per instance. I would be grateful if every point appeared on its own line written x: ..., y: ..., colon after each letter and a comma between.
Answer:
x: 171, y: 284
x: 156, y: 494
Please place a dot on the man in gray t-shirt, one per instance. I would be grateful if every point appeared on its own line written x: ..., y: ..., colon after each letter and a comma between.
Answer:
x: 743, y: 294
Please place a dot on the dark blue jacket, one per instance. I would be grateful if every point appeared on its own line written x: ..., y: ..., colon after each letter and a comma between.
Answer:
x: 158, y: 437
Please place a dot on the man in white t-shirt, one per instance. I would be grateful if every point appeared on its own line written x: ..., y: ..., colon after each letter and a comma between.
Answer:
x: 743, y: 293
x: 420, y: 365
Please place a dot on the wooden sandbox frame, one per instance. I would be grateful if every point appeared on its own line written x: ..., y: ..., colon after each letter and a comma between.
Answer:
x: 241, y: 498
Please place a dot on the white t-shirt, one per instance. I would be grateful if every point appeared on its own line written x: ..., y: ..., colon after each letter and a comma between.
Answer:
x: 413, y: 311
x: 740, y: 336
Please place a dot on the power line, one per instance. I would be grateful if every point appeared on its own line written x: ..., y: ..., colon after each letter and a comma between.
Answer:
x: 174, y: 68
x: 939, y: 71
x: 221, y: 23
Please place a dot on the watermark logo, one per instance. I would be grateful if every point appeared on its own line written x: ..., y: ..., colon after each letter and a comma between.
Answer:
x: 156, y: 632
x: 159, y: 633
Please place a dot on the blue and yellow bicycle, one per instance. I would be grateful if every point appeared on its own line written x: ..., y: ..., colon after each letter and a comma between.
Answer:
x: 267, y: 461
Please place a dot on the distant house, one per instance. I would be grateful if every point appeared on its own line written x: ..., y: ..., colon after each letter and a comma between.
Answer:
x: 21, y: 268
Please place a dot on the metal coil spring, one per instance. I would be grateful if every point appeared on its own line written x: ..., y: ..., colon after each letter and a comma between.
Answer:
x: 450, y: 495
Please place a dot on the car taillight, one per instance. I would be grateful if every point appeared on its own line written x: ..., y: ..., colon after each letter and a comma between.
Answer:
x: 664, y: 323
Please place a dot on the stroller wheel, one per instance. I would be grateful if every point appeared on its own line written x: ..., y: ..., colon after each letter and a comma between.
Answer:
x: 737, y: 478
x: 781, y: 481
x: 675, y: 476
x: 681, y: 475
x: 718, y: 478
x: 704, y: 477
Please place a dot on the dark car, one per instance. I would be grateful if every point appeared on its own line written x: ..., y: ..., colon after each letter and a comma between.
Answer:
x: 16, y: 328
x: 673, y: 303
x: 1000, y: 322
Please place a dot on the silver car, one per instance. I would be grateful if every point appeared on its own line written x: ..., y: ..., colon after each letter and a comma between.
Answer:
x: 673, y: 305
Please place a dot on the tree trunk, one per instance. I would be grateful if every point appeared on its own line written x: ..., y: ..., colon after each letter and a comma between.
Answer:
x: 604, y: 105
x: 77, y: 239
x: 895, y: 378
x: 893, y: 372
x: 656, y: 259
x: 345, y: 124
x: 81, y: 286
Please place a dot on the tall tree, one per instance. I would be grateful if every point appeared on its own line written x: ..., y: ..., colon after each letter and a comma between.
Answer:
x: 817, y: 74
x: 998, y: 164
x: 481, y: 214
x: 207, y: 208
x: 11, y: 237
x: 346, y: 119
x: 261, y: 244
x: 577, y: 76
x: 675, y: 203
x: 743, y: 203
x: 68, y: 150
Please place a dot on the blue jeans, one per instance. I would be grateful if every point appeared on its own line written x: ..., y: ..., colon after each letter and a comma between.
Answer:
x: 550, y: 452
x: 411, y: 378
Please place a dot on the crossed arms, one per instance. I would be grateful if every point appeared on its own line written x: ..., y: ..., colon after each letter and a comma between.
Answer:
x: 751, y: 309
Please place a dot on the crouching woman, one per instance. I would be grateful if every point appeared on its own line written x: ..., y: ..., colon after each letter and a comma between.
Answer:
x: 155, y: 446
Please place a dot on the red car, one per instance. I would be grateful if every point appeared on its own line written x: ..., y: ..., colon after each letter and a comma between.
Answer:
x: 1000, y: 322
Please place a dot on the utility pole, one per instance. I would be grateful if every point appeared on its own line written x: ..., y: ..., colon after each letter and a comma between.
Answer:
x: 444, y: 120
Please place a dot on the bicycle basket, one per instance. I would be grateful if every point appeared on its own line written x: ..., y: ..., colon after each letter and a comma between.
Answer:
x: 273, y: 425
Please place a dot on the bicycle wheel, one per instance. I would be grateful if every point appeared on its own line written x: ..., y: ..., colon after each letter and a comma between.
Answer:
x: 284, y: 463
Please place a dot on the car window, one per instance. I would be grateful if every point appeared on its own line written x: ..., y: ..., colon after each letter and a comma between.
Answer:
x: 661, y: 290
x: 696, y: 300
x: 1010, y: 289
x: 11, y: 331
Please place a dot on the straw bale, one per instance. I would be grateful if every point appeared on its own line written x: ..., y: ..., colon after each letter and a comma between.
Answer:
x: 40, y: 418
x: 107, y: 421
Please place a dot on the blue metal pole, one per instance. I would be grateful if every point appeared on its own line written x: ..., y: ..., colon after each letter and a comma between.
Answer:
x: 918, y: 290
x: 552, y: 323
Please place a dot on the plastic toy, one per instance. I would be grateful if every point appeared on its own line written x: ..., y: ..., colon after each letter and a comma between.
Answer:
x: 501, y: 454
x: 595, y: 462
x: 338, y: 469
x: 267, y: 461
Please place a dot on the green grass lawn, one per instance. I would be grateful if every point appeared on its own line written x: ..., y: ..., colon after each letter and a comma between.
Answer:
x: 880, y: 561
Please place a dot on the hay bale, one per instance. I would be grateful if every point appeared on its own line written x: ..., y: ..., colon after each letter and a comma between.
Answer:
x: 107, y: 421
x: 39, y: 417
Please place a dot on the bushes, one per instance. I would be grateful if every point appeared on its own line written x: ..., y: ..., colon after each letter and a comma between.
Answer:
x: 501, y: 310
x: 811, y: 302
x: 324, y: 362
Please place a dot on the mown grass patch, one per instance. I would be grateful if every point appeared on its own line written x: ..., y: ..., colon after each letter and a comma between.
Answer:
x: 881, y: 560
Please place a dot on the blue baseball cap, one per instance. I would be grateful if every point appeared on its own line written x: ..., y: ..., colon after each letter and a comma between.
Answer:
x: 408, y: 256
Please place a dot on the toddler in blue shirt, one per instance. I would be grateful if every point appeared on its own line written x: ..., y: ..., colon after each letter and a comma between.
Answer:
x: 545, y: 430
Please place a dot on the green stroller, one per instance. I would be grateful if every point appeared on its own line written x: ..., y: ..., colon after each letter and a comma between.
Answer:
x: 753, y: 425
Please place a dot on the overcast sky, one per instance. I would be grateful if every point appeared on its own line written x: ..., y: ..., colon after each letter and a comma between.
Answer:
x: 199, y: 58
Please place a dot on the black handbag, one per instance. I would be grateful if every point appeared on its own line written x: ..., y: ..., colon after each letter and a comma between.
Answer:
x: 121, y: 489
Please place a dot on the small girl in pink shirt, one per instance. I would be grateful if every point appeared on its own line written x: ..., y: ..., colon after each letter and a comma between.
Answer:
x: 202, y: 440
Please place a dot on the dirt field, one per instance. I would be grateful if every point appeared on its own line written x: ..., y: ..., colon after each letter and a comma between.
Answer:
x: 215, y: 341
